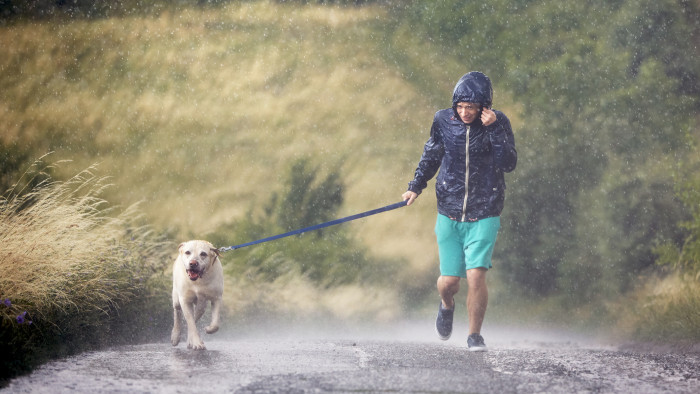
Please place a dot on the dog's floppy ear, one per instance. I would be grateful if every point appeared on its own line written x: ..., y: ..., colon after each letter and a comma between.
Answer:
x: 213, y: 249
x: 179, y: 248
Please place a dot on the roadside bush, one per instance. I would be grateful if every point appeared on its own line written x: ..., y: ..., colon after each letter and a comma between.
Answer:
x: 316, y: 264
x: 685, y: 256
x: 665, y: 310
x: 74, y: 276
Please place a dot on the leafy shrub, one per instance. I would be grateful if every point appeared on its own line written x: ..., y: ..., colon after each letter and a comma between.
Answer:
x: 685, y: 256
x: 328, y: 257
x: 663, y: 310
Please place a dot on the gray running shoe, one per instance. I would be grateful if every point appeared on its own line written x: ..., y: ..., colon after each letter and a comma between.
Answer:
x: 476, y: 343
x: 443, y: 323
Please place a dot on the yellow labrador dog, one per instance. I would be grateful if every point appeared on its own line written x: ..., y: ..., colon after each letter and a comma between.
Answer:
x: 198, y: 277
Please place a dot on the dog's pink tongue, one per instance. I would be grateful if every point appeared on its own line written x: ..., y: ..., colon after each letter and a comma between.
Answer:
x: 192, y: 274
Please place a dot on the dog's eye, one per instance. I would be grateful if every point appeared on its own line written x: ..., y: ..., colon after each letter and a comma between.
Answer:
x: 188, y: 253
x: 203, y: 254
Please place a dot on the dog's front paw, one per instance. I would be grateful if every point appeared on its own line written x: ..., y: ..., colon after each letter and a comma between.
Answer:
x: 196, y: 345
x: 211, y: 329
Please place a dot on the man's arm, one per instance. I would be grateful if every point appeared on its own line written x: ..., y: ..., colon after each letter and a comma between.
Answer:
x: 503, y: 143
x: 430, y: 160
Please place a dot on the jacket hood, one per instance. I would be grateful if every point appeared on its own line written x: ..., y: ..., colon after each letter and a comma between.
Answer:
x: 473, y: 87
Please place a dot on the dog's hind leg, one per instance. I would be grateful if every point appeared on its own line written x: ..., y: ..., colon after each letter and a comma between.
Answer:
x: 214, y: 325
x: 199, y: 308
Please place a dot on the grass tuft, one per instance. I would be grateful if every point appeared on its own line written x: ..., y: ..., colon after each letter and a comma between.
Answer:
x: 663, y: 311
x: 71, y: 265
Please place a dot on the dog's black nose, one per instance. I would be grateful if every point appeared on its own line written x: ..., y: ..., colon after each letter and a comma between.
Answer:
x: 194, y: 263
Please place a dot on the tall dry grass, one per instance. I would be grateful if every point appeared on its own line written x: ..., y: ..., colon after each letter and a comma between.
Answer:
x: 75, y: 268
x: 662, y: 310
x: 62, y: 249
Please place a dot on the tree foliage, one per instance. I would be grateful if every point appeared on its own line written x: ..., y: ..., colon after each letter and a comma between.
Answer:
x: 13, y: 9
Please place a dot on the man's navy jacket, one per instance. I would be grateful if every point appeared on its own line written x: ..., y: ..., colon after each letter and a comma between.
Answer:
x: 470, y: 185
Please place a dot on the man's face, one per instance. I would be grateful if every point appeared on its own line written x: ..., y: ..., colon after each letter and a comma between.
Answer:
x: 468, y: 112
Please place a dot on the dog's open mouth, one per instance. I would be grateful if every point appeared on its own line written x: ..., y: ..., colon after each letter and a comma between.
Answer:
x: 194, y: 275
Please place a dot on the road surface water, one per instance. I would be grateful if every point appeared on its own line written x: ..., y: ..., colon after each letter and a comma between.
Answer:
x: 404, y: 358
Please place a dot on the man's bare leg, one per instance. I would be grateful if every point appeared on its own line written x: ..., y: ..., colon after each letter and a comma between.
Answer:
x: 477, y: 298
x: 448, y: 286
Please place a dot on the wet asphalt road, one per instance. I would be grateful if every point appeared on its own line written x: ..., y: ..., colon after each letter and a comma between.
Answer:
x: 404, y: 359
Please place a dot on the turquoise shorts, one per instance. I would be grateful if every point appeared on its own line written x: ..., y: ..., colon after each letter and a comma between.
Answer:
x: 465, y: 245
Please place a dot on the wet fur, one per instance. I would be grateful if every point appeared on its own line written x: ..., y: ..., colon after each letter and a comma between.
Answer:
x: 190, y: 295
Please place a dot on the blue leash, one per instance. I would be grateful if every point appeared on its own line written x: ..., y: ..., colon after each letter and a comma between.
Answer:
x: 318, y: 226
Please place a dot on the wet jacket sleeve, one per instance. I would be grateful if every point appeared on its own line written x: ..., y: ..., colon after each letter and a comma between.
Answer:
x: 503, y: 143
x: 430, y: 161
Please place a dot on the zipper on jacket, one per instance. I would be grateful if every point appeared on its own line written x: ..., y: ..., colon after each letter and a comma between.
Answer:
x: 466, y: 180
